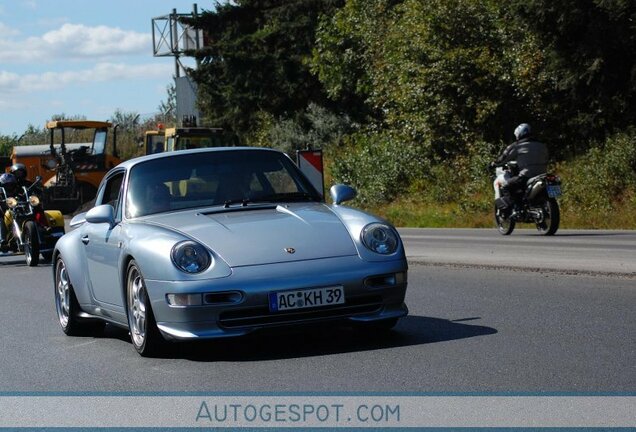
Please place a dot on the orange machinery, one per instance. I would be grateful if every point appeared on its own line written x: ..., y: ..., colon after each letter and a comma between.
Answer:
x: 70, y: 173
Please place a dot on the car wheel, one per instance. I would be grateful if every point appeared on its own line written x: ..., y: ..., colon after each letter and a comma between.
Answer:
x: 144, y: 334
x: 67, y: 306
x: 31, y: 244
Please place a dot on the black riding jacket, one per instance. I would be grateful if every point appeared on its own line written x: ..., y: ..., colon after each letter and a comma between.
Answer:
x: 531, y: 157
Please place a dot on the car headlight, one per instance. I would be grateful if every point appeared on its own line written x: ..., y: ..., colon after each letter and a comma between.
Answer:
x: 380, y: 238
x: 35, y: 201
x: 190, y: 257
x: 12, y: 202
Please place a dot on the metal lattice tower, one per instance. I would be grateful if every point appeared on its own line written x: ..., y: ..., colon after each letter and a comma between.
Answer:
x: 172, y: 37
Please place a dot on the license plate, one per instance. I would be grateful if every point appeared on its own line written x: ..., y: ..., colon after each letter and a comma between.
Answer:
x: 554, y: 191
x: 301, y: 299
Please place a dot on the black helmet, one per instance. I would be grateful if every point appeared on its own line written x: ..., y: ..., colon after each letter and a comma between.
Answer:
x: 19, y: 171
x: 8, y: 181
x: 522, y: 131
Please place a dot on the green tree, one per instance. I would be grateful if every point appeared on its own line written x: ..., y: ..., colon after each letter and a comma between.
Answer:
x: 437, y: 72
x: 589, y: 58
x: 127, y: 120
x: 256, y: 61
x: 168, y: 108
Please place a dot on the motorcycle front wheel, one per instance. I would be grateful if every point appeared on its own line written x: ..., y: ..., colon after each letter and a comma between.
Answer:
x: 31, y: 244
x: 504, y: 226
x: 551, y: 217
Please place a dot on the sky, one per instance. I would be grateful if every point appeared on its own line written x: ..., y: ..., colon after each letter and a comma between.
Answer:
x: 81, y: 57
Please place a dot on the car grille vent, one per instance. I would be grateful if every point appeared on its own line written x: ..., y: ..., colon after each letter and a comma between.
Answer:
x: 263, y: 317
x: 220, y: 298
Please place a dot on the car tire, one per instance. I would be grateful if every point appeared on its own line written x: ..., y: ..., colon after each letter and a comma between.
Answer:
x: 67, y: 306
x: 144, y: 334
x: 31, y: 244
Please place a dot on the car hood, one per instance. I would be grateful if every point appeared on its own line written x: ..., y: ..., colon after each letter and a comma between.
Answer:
x: 264, y: 234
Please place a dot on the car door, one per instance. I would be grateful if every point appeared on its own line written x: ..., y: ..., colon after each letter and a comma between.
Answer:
x: 102, y: 245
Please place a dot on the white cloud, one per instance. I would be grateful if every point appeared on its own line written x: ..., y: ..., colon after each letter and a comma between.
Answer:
x: 5, y: 30
x: 30, y: 4
x: 103, y: 72
x: 75, y: 41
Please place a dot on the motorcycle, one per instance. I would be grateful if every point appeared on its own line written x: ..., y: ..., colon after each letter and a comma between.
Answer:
x: 536, y: 203
x: 30, y: 229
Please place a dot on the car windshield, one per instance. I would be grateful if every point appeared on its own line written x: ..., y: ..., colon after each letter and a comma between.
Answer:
x: 220, y: 178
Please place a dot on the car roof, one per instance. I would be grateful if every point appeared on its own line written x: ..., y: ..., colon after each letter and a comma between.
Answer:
x: 78, y: 124
x: 132, y: 162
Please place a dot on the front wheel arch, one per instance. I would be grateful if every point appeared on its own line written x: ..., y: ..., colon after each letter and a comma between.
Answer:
x: 123, y: 274
x: 152, y: 342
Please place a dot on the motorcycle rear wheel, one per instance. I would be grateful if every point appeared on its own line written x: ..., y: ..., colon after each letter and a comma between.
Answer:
x: 504, y: 226
x: 551, y: 218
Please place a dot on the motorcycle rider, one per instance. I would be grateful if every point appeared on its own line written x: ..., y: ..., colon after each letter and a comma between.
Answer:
x: 526, y: 158
x: 10, y: 185
x: 20, y: 173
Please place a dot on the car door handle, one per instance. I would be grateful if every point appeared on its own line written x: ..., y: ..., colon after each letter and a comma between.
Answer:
x: 85, y: 239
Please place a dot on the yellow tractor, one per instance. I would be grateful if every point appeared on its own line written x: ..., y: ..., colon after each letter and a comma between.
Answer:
x: 71, y: 172
x: 183, y: 138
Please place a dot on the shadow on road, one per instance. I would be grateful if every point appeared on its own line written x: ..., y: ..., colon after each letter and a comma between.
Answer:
x: 18, y: 260
x: 317, y: 341
x: 13, y: 260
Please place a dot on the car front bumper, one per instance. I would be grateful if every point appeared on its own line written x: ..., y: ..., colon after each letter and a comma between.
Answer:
x: 370, y: 295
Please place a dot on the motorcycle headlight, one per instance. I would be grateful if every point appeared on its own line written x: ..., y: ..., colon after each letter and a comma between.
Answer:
x: 35, y: 201
x: 12, y: 202
x: 380, y: 238
x: 190, y: 257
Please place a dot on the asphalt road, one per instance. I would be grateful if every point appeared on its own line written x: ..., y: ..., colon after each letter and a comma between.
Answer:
x: 570, y: 251
x: 477, y: 323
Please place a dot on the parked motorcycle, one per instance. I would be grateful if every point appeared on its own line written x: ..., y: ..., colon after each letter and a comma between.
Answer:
x: 535, y: 204
x: 30, y: 229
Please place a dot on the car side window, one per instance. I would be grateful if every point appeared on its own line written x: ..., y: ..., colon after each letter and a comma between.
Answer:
x: 112, y: 193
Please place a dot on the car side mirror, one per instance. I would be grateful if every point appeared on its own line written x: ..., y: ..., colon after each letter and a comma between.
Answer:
x: 104, y: 213
x: 78, y: 220
x: 341, y: 193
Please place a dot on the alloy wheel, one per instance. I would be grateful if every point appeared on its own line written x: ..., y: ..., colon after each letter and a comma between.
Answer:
x: 63, y: 293
x: 137, y: 306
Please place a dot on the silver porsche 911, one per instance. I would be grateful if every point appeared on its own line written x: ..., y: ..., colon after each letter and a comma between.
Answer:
x: 220, y: 242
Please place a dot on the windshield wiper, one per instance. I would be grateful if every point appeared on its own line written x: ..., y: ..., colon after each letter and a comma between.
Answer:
x: 279, y: 197
x: 289, y: 196
x: 243, y: 201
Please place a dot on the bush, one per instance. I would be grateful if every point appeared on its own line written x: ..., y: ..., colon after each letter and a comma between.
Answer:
x: 379, y: 166
x: 604, y: 176
x: 315, y: 128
